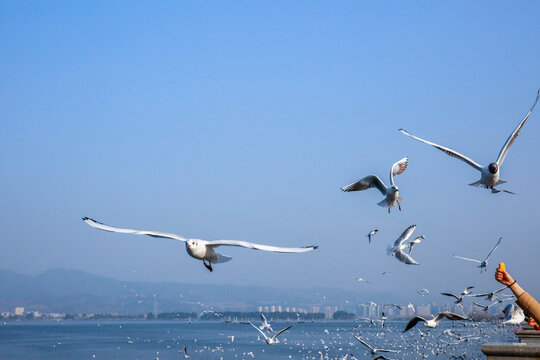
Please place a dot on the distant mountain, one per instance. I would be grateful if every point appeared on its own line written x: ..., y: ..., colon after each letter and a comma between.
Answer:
x: 74, y: 291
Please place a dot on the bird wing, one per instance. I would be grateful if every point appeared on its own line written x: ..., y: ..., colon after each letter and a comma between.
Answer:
x: 498, y: 291
x: 491, y: 252
x: 384, y: 350
x: 263, y: 319
x: 452, y: 295
x: 155, y: 234
x: 405, y: 235
x: 366, y: 183
x: 480, y: 305
x: 405, y: 258
x: 363, y: 342
x: 464, y: 258
x: 479, y: 295
x: 449, y: 315
x: 515, y: 133
x: 254, y: 246
x: 446, y: 150
x: 398, y: 168
x: 185, y: 350
x: 282, y: 331
x: 412, y: 323
x: 259, y: 330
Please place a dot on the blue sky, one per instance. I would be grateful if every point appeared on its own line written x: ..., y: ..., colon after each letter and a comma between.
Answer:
x: 242, y: 120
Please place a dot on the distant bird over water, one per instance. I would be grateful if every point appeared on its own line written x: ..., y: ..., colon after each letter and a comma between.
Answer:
x: 433, y: 323
x: 391, y: 193
x: 399, y: 246
x: 489, y: 177
x: 483, y: 264
x: 273, y: 339
x: 201, y: 249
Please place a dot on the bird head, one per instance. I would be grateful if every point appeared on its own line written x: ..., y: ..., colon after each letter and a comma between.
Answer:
x: 192, y: 244
x: 394, y: 189
x: 493, y: 168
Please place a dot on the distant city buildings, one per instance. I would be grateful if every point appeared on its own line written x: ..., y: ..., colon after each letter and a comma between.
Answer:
x: 19, y: 311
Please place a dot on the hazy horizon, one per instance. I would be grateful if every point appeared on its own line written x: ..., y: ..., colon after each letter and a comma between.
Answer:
x: 243, y: 120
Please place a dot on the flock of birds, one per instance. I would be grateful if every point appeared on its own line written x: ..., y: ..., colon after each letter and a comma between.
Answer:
x: 205, y: 250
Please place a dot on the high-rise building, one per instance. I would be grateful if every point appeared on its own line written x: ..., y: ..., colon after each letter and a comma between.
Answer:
x: 259, y: 309
x: 273, y: 308
x: 19, y: 310
x: 279, y: 308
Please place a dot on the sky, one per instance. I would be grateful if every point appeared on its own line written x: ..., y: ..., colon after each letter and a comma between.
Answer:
x: 242, y: 120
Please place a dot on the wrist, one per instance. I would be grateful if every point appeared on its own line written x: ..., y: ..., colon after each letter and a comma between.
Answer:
x: 510, y: 285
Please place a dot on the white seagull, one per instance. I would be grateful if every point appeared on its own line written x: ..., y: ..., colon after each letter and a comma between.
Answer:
x: 513, y: 315
x: 491, y: 295
x: 371, y: 234
x: 359, y: 279
x: 483, y: 264
x: 489, y: 177
x: 485, y: 307
x: 433, y: 323
x: 264, y: 324
x: 417, y: 240
x: 201, y: 249
x: 399, y: 245
x: 273, y: 339
x: 373, y: 350
x: 391, y: 193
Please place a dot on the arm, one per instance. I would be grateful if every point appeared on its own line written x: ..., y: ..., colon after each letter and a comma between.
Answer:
x: 524, y: 300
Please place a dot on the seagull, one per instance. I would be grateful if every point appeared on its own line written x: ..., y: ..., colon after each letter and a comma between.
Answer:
x: 417, y: 240
x: 433, y: 323
x: 489, y: 174
x: 383, y: 319
x: 371, y: 234
x: 513, y: 315
x: 359, y: 279
x: 395, y: 305
x: 273, y: 339
x: 186, y: 356
x: 264, y: 324
x: 201, y: 249
x: 485, y: 307
x: 423, y: 292
x: 373, y: 350
x: 411, y: 306
x: 391, y: 193
x: 459, y: 298
x: 397, y: 249
x: 490, y: 296
x: 483, y: 264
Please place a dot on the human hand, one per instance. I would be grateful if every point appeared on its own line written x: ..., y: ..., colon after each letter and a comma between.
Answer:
x: 503, y: 277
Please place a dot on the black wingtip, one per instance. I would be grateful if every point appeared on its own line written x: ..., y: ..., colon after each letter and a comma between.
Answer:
x: 85, y: 218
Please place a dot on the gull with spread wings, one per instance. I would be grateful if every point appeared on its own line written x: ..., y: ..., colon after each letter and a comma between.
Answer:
x: 201, y: 249
x: 371, y: 348
x: 399, y: 246
x: 433, y: 323
x: 489, y: 177
x: 483, y: 264
x: 273, y: 339
x: 391, y: 193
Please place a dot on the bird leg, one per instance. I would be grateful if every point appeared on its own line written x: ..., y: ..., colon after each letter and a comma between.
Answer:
x: 208, y: 266
x: 399, y: 206
x: 389, y: 209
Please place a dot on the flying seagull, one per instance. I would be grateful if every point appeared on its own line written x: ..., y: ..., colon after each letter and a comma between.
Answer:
x: 201, y: 249
x: 489, y: 174
x: 371, y: 234
x: 372, y: 349
x: 459, y: 298
x: 264, y: 324
x: 423, y: 292
x: 491, y: 295
x: 273, y: 339
x: 483, y: 264
x: 391, y: 193
x: 359, y: 279
x: 485, y: 307
x: 186, y: 356
x: 399, y: 245
x: 433, y: 323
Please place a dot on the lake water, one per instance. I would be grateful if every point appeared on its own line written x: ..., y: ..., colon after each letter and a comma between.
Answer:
x: 211, y: 340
